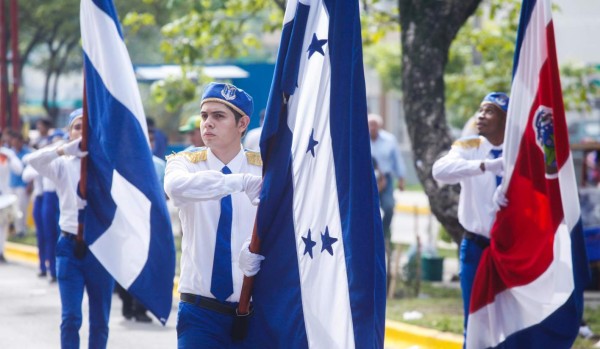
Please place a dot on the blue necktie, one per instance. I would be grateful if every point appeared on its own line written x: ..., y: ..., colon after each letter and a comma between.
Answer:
x: 221, y: 285
x: 496, y: 154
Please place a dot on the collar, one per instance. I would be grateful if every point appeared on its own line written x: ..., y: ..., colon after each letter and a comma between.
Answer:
x: 235, y: 165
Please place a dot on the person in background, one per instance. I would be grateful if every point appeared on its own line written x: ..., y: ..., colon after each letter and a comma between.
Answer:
x: 17, y: 186
x: 385, y: 152
x: 77, y: 268
x: 9, y: 162
x: 252, y: 139
x: 192, y: 132
x: 476, y: 163
x: 44, y: 138
x: 161, y: 141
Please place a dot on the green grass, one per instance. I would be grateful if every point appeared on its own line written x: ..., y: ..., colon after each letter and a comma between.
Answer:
x: 441, y: 308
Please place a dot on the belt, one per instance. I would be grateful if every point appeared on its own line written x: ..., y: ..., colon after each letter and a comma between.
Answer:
x: 68, y: 235
x: 208, y: 303
x: 479, y: 240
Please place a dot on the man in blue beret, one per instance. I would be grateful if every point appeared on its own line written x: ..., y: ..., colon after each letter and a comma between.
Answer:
x: 216, y: 189
x: 476, y: 163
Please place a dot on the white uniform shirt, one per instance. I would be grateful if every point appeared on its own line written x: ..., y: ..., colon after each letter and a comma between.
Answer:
x: 193, y: 180
x: 65, y: 172
x: 476, y: 211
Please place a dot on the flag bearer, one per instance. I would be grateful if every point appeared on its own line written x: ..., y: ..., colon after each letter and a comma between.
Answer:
x: 216, y: 189
x: 76, y: 267
x: 476, y: 163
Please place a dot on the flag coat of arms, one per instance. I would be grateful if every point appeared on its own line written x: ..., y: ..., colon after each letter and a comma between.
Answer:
x: 127, y: 225
x: 528, y: 291
x: 322, y: 284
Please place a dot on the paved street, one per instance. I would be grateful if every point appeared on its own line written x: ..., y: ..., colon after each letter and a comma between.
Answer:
x: 30, y: 316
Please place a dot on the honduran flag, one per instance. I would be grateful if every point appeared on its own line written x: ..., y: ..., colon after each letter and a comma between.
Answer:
x: 528, y: 291
x: 322, y: 284
x: 127, y: 225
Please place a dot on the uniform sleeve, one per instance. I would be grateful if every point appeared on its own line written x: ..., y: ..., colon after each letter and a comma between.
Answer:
x: 185, y: 187
x: 399, y: 168
x: 454, y: 167
x: 43, y: 162
x: 29, y: 174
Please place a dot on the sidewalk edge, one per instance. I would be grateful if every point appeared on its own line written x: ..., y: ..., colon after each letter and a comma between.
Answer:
x: 423, y: 337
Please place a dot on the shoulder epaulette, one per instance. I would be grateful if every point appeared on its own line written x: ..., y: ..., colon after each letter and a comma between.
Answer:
x: 193, y: 156
x: 467, y: 143
x: 254, y: 158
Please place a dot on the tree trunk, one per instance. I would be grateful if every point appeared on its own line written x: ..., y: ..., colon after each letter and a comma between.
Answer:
x: 428, y: 29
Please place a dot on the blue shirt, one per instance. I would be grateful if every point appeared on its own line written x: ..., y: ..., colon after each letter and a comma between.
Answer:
x: 15, y: 180
x: 385, y: 151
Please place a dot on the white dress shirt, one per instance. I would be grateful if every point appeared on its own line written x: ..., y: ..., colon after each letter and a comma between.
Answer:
x: 193, y: 180
x: 65, y: 172
x: 476, y: 211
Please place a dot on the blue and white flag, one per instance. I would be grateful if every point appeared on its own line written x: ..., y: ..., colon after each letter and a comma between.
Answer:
x: 322, y: 284
x: 528, y: 291
x: 127, y: 225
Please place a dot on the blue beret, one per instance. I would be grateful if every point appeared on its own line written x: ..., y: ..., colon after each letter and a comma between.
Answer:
x: 231, y: 96
x: 77, y: 113
x: 500, y: 99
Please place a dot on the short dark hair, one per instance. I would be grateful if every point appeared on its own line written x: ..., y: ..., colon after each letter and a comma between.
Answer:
x: 237, y: 117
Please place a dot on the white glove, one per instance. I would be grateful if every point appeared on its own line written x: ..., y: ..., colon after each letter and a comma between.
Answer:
x: 496, y: 166
x: 73, y: 148
x: 499, y: 199
x: 249, y: 262
x: 252, y: 187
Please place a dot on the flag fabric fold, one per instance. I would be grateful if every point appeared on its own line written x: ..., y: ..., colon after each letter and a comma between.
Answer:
x: 322, y: 284
x: 528, y: 291
x: 127, y: 225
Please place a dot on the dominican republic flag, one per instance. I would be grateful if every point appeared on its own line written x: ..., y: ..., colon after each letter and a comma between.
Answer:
x: 528, y: 291
x: 322, y: 284
x: 127, y: 225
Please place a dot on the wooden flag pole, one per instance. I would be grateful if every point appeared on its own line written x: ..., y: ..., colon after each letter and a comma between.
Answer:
x: 84, y: 147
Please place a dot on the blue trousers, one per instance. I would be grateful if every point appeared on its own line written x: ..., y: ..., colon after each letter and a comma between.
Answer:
x: 38, y: 219
x: 470, y: 255
x: 73, y: 276
x: 50, y: 216
x: 199, y: 328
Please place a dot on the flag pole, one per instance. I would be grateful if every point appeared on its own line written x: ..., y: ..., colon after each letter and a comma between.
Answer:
x: 84, y: 147
x: 244, y: 305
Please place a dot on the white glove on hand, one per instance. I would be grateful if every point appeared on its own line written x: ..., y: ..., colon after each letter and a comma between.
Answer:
x: 499, y: 199
x: 496, y: 166
x: 252, y: 187
x: 73, y: 148
x: 249, y: 262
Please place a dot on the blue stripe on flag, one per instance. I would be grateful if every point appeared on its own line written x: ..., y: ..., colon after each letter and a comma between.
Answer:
x: 526, y: 11
x: 280, y: 276
x: 357, y: 193
x: 109, y: 8
x: 558, y: 329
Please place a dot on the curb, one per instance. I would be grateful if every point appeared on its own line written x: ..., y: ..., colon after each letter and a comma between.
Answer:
x: 395, y: 332
x: 21, y: 252
x: 421, y: 337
